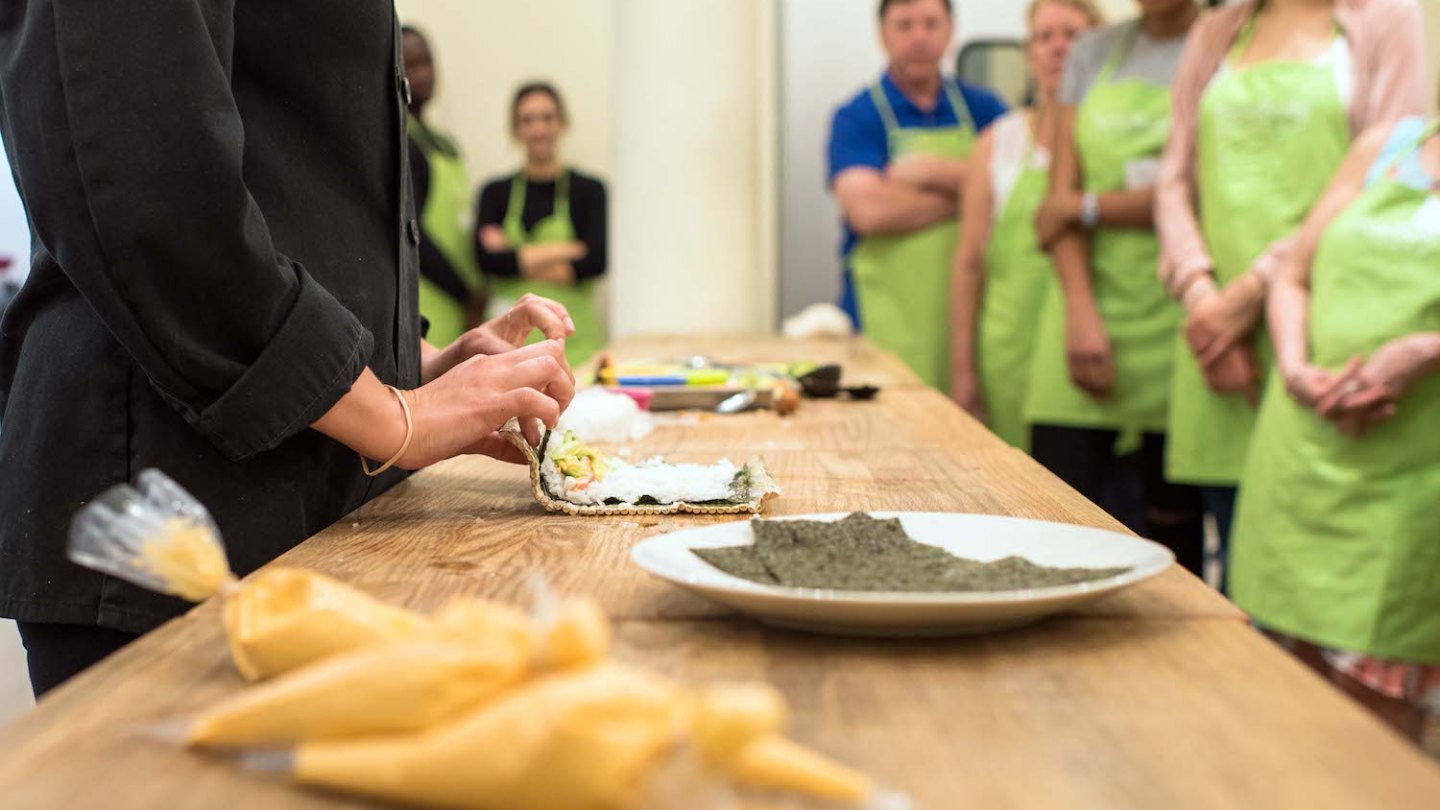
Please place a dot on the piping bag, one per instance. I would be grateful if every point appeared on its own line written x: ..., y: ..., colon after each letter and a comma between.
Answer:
x: 605, y: 737
x: 479, y: 706
x: 475, y: 651
x: 156, y: 535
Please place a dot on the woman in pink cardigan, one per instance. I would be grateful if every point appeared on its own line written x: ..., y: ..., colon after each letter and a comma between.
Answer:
x: 1268, y: 96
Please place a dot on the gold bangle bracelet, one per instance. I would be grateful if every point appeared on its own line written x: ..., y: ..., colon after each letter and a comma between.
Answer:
x: 405, y: 445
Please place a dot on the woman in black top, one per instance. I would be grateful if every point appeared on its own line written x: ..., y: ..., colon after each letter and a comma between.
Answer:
x: 543, y: 229
x: 224, y: 284
x: 451, y: 298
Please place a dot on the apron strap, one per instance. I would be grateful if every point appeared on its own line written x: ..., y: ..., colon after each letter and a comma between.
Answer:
x: 1247, y: 33
x: 887, y: 113
x: 431, y: 141
x: 562, y: 197
x: 963, y: 117
x: 957, y: 103
x: 515, y: 212
x: 1392, y: 166
x: 1242, y: 41
x: 1119, y: 55
x: 1032, y: 141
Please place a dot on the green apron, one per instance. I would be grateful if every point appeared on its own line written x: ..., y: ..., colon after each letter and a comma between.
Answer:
x: 1119, y: 124
x: 578, y: 298
x: 445, y: 218
x: 903, y: 282
x: 1018, y: 276
x: 1337, y: 540
x: 1270, y: 137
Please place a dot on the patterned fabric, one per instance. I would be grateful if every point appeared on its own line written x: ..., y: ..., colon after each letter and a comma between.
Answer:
x: 1417, y: 684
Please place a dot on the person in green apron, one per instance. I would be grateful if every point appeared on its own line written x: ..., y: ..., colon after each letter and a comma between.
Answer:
x: 450, y: 289
x: 1336, y: 528
x: 1001, y: 276
x: 1271, y: 126
x: 543, y: 230
x: 1099, y: 378
x: 898, y: 162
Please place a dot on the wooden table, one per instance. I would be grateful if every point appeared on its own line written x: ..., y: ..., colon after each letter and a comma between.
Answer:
x: 1159, y: 697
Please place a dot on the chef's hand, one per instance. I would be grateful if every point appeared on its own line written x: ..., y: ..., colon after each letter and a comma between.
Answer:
x: 1088, y: 352
x: 501, y: 334
x: 462, y: 411
x: 1235, y: 372
x: 1059, y: 213
x: 965, y: 390
x: 1221, y: 319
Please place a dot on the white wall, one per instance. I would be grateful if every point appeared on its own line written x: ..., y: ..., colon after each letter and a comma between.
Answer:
x: 828, y: 50
x: 694, y: 182
x: 1116, y: 10
x: 14, y: 233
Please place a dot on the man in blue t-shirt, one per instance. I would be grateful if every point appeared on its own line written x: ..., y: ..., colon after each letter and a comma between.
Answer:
x: 896, y: 158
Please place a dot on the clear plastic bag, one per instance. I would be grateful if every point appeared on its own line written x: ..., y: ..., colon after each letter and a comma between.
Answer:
x: 153, y: 534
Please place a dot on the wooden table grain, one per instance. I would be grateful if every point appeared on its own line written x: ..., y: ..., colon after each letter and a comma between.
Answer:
x: 1161, y: 696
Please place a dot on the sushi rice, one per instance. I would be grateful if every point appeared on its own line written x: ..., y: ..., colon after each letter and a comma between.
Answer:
x: 574, y: 472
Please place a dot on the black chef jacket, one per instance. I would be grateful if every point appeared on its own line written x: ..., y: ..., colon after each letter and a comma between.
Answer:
x: 224, y: 238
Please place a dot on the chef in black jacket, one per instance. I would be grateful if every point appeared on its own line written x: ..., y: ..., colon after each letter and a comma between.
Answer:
x: 224, y: 284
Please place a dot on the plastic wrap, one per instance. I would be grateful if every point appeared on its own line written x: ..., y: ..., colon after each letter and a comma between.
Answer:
x: 155, y: 535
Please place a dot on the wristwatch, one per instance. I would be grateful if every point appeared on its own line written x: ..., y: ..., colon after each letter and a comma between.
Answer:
x: 1090, y: 210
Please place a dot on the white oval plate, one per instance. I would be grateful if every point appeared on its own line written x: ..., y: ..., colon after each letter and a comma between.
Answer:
x: 899, y: 614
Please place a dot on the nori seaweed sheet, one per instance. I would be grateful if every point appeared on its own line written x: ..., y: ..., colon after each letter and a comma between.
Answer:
x: 861, y: 553
x: 738, y: 561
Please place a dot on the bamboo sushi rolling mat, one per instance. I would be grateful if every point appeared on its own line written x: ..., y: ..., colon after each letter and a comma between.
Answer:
x: 1160, y: 697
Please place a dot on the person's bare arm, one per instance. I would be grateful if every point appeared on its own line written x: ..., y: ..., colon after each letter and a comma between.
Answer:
x: 552, y: 262
x: 1289, y: 301
x: 457, y: 413
x: 968, y: 279
x: 931, y: 173
x: 1130, y: 208
x: 875, y: 205
x: 1088, y: 351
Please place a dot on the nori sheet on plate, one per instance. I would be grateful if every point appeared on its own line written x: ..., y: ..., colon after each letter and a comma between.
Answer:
x: 862, y: 553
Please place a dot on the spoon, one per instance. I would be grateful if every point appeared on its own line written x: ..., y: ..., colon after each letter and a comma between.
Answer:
x: 735, y: 403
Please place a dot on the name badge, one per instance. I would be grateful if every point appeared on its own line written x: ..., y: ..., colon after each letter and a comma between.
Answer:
x: 1427, y: 218
x: 1142, y: 173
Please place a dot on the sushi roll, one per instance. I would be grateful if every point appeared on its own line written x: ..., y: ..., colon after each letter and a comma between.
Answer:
x: 570, y: 476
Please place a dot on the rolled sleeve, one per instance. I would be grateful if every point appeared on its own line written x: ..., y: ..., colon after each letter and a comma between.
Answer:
x: 291, y: 384
x: 130, y: 147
